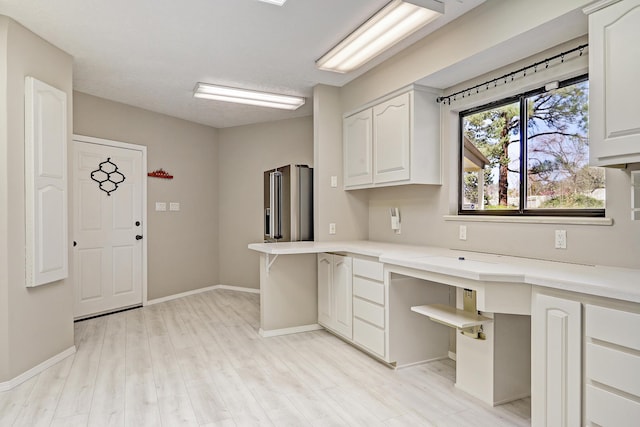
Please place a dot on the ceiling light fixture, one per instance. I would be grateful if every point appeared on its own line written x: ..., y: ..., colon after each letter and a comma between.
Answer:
x: 276, y: 2
x: 243, y: 96
x: 391, y: 24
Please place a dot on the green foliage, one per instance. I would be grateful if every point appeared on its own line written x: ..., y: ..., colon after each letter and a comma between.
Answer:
x: 573, y: 201
x: 471, y: 187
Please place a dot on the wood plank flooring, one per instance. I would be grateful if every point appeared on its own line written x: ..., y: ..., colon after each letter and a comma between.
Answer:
x: 198, y: 361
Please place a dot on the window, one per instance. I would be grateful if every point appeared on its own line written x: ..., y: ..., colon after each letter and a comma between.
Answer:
x: 529, y: 155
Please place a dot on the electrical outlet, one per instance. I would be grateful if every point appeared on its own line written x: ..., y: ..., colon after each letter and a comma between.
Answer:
x: 332, y: 228
x: 561, y: 239
x: 395, y: 220
x: 161, y: 206
x: 462, y: 232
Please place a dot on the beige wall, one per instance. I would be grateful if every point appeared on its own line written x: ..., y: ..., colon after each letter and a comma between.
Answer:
x: 182, y: 246
x: 348, y: 210
x: 245, y: 152
x: 36, y: 323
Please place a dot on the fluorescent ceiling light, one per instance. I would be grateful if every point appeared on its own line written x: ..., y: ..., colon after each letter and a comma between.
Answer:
x: 243, y: 96
x: 393, y: 23
x: 276, y: 2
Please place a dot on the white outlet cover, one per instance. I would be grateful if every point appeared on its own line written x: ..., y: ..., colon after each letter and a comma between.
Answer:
x: 161, y: 206
x: 332, y: 228
x: 334, y: 181
x: 462, y: 232
x: 174, y: 206
x: 561, y: 239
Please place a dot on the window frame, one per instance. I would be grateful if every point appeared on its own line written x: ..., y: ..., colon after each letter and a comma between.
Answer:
x: 521, y: 211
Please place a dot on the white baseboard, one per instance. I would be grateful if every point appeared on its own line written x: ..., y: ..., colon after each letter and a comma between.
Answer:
x: 8, y: 385
x: 201, y: 290
x: 180, y: 295
x: 452, y: 355
x: 238, y: 289
x: 287, y: 331
x: 419, y: 362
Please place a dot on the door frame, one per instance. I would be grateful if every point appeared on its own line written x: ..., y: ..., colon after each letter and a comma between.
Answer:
x: 142, y: 149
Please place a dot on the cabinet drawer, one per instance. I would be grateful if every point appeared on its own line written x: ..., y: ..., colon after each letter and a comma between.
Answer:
x: 614, y: 326
x: 369, y: 290
x: 366, y: 268
x: 614, y: 368
x: 368, y: 336
x: 608, y: 409
x: 370, y: 312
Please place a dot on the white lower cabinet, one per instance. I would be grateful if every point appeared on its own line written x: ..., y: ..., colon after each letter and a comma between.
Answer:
x: 556, y: 334
x: 351, y: 300
x: 335, y: 287
x: 369, y: 306
x: 612, y: 366
x: 609, y: 346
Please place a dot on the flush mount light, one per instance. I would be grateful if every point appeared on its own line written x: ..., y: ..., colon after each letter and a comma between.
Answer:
x: 276, y: 2
x: 243, y: 96
x: 391, y: 24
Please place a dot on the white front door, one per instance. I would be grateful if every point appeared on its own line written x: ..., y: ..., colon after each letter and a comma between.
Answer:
x: 108, y: 230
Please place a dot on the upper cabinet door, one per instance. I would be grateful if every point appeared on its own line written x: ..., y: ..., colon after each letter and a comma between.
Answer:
x: 614, y: 67
x: 392, y: 140
x: 45, y: 183
x: 357, y: 141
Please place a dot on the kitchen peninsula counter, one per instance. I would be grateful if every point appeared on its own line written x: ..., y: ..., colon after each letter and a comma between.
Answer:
x: 610, y: 282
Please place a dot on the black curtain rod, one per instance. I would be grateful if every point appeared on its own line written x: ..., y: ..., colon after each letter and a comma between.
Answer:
x: 467, y: 92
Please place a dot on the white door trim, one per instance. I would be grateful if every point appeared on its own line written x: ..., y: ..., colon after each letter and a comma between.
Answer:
x: 143, y: 150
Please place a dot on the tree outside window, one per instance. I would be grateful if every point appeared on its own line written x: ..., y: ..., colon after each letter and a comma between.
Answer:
x: 530, y: 155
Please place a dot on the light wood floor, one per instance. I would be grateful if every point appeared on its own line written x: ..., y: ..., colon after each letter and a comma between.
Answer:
x: 198, y: 361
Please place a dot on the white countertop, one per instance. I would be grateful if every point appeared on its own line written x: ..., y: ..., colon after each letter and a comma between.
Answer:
x: 610, y: 282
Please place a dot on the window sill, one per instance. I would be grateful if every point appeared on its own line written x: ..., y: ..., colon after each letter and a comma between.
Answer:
x: 531, y: 219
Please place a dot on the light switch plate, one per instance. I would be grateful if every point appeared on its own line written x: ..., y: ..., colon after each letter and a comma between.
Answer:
x: 161, y: 206
x: 334, y: 181
x: 174, y: 206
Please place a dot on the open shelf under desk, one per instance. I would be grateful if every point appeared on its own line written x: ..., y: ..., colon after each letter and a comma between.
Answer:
x: 451, y: 316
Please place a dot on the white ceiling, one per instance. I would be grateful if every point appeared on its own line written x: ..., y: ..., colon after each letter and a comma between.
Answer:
x: 151, y: 53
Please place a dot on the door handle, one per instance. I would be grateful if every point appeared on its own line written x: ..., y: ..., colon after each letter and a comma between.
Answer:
x: 139, y: 237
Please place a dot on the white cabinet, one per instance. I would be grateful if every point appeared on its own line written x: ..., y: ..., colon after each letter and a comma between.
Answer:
x: 358, y: 149
x: 46, y: 141
x: 556, y: 373
x: 394, y: 141
x: 612, y: 366
x: 391, y: 140
x: 369, y: 324
x: 335, y: 289
x: 614, y: 66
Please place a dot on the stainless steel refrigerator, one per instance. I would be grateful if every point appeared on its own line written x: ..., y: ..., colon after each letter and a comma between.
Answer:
x: 288, y: 204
